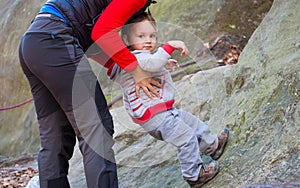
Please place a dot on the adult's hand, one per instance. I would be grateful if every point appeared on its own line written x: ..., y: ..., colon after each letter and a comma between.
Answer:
x: 144, y: 80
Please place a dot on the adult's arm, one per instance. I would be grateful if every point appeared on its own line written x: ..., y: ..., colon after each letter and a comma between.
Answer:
x: 106, y: 31
x: 106, y: 35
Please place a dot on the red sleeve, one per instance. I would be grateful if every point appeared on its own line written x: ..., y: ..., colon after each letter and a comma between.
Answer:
x: 106, y: 31
x: 168, y: 48
x: 104, y: 60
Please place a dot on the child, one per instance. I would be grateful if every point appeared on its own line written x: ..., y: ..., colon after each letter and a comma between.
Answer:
x: 157, y: 115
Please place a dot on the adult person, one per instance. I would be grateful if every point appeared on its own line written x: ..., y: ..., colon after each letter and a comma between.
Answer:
x: 68, y: 99
x: 158, y: 116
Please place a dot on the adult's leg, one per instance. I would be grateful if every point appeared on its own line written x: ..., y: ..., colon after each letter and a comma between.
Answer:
x: 94, y: 124
x: 60, y: 67
x: 56, y: 133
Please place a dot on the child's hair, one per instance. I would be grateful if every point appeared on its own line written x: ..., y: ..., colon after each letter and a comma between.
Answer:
x: 139, y: 18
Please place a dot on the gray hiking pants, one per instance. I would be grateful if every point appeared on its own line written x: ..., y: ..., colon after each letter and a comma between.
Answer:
x: 186, y: 132
x: 69, y: 103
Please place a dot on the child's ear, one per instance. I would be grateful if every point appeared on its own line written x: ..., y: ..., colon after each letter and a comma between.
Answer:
x: 125, y: 39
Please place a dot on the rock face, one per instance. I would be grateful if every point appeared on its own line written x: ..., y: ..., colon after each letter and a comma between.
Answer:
x: 261, y: 104
x: 18, y: 127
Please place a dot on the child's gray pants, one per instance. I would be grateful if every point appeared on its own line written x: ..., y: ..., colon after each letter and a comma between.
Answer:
x: 185, y: 131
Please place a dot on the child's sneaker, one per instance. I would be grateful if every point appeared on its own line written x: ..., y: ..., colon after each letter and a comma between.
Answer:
x: 223, y: 138
x: 207, y: 172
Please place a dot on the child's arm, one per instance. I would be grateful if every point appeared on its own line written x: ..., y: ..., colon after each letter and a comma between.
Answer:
x: 155, y: 62
x: 179, y: 45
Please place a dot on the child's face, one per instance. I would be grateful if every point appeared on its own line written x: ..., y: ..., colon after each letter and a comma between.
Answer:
x: 142, y: 36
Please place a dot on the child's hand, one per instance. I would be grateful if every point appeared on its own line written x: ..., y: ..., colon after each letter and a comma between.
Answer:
x: 179, y: 45
x: 172, y: 64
